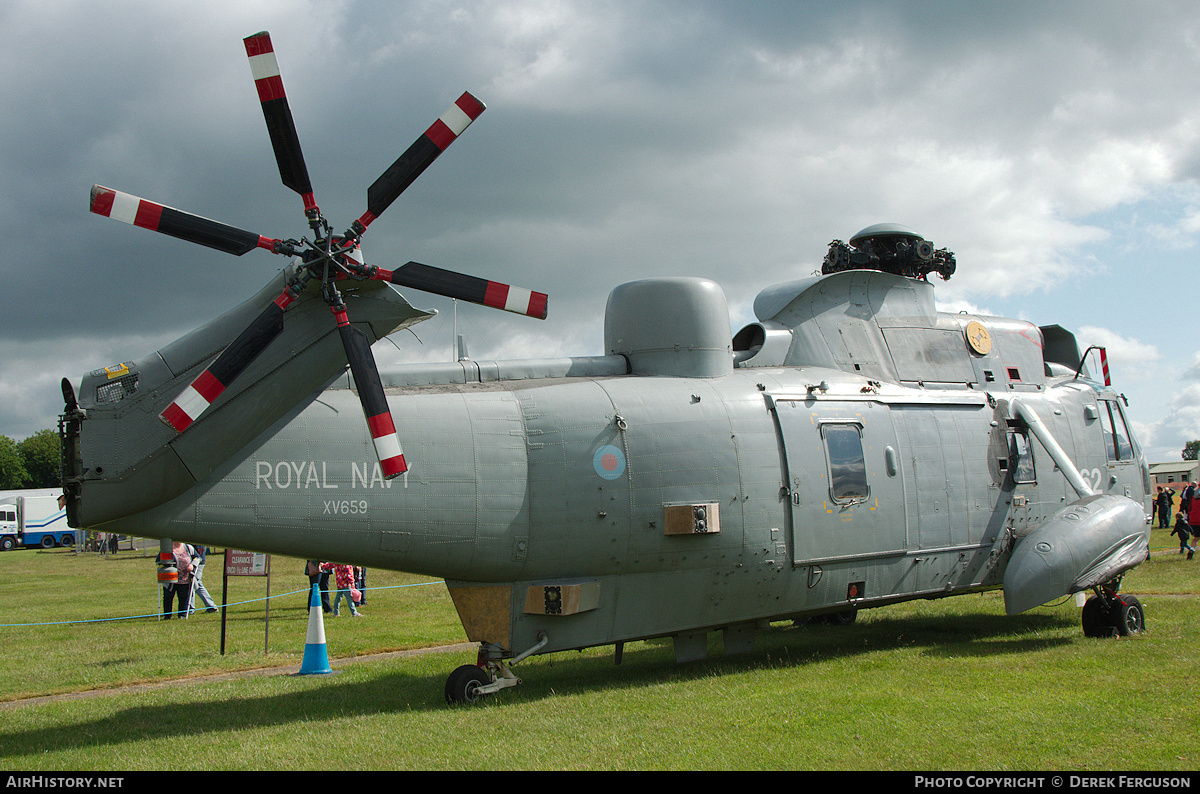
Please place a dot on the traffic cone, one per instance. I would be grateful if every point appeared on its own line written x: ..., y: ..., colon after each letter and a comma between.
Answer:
x: 316, y: 660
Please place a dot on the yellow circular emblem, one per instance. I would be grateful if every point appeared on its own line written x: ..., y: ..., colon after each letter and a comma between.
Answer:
x: 978, y: 338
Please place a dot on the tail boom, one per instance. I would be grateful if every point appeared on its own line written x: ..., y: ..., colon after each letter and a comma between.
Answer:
x: 120, y: 459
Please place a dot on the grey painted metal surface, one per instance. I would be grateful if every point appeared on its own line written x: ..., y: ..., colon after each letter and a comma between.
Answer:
x: 865, y: 449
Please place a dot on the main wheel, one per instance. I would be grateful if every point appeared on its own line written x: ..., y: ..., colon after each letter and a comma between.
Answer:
x: 463, y: 684
x: 843, y: 618
x: 1128, y: 617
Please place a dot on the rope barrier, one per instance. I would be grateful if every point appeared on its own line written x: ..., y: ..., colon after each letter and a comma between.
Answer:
x: 158, y: 615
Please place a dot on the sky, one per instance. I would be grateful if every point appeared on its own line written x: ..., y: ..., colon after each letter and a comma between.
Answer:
x: 1053, y: 147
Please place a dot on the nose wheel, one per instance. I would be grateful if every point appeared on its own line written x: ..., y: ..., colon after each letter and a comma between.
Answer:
x: 1108, y: 613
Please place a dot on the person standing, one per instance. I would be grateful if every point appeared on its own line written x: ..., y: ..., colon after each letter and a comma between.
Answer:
x: 1192, y: 511
x: 1166, y: 497
x: 344, y: 576
x: 360, y: 582
x: 182, y: 588
x: 317, y: 575
x: 198, y: 588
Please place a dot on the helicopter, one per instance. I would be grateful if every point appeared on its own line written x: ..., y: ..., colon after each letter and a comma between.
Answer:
x: 852, y: 448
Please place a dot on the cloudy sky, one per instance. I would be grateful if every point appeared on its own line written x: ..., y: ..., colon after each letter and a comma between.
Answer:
x: 1053, y: 147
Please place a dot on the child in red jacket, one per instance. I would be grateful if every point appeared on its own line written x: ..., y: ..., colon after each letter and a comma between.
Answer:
x: 344, y: 576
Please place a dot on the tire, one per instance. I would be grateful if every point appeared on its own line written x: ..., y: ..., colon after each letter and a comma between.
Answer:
x: 47, y: 541
x: 843, y: 618
x: 463, y: 684
x: 7, y: 543
x: 68, y: 540
x: 1128, y: 617
x: 1096, y: 619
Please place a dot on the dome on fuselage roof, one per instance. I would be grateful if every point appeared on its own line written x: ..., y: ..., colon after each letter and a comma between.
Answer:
x: 882, y: 230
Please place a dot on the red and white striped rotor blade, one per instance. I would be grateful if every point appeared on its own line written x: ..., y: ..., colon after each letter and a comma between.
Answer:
x: 443, y: 132
x: 370, y: 394
x: 468, y: 288
x: 213, y: 381
x: 278, y: 114
x: 176, y: 223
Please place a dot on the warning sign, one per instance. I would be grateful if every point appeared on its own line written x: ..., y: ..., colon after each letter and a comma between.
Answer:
x: 246, y: 563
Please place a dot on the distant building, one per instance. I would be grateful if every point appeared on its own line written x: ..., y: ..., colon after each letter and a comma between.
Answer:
x: 1174, y: 475
x: 1176, y: 472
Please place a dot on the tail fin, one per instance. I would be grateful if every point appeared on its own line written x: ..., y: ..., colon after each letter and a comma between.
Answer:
x: 119, y: 459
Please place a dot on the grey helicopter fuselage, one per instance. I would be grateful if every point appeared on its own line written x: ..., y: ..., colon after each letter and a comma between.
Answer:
x: 853, y: 448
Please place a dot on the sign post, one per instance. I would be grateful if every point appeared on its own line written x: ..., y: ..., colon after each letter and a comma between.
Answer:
x: 246, y: 563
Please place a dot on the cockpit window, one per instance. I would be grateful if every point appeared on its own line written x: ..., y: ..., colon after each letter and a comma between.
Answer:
x: 1116, y: 435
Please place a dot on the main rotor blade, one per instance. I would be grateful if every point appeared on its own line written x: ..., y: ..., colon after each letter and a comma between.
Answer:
x: 370, y: 394
x: 177, y: 223
x: 278, y: 114
x: 443, y: 132
x: 468, y: 288
x: 205, y: 389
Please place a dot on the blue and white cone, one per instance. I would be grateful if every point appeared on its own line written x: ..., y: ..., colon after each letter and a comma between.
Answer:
x: 316, y: 659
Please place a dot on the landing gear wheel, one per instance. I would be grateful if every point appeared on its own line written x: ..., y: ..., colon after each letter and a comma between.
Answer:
x: 463, y: 684
x: 1127, y: 616
x: 1096, y: 619
x: 843, y: 618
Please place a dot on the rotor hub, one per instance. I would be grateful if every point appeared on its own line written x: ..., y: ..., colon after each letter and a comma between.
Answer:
x: 891, y: 248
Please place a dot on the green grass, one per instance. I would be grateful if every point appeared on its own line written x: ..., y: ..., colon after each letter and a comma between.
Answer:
x: 40, y: 590
x: 948, y: 684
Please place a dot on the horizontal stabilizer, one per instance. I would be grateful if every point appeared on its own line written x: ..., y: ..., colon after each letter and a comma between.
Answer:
x: 1085, y: 544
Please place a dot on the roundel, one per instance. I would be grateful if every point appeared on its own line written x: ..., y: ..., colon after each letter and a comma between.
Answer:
x: 609, y: 462
x: 978, y: 338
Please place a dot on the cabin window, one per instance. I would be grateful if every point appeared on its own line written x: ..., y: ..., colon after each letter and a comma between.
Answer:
x: 1021, y: 452
x: 9, y: 516
x: 847, y: 464
x: 1116, y: 434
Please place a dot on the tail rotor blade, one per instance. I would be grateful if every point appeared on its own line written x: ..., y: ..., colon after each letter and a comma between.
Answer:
x: 278, y: 115
x: 370, y: 394
x: 443, y: 132
x: 468, y: 288
x: 204, y: 390
x: 176, y: 223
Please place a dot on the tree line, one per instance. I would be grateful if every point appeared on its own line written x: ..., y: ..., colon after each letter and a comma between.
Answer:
x: 32, y: 463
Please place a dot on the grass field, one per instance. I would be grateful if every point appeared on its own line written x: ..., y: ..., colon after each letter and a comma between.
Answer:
x: 930, y: 685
